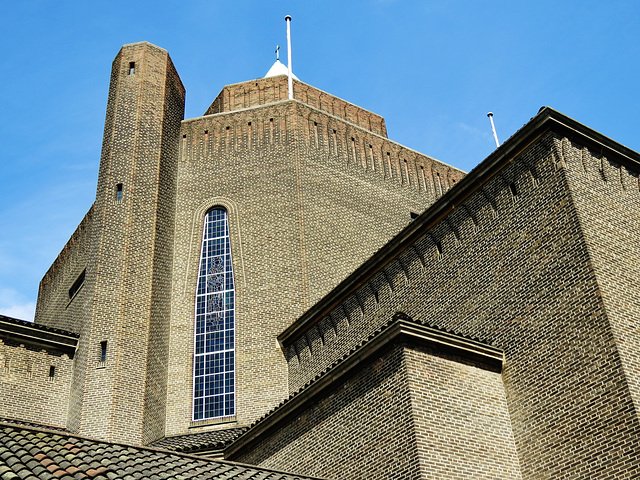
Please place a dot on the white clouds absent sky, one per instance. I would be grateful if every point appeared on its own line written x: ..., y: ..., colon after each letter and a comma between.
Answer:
x: 433, y: 69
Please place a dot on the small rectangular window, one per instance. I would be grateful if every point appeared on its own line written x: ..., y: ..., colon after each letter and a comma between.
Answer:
x: 118, y: 192
x: 514, y: 191
x: 103, y: 351
x: 52, y: 371
x: 132, y: 68
x: 77, y: 284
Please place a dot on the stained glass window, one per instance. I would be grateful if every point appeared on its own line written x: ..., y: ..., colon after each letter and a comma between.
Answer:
x: 214, y: 345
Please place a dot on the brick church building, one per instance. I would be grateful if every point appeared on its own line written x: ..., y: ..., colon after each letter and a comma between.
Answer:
x: 276, y: 286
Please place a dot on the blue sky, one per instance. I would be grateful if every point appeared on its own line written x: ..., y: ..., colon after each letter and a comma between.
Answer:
x: 433, y: 69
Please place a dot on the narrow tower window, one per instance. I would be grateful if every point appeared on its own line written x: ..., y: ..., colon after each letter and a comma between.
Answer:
x: 77, y: 284
x: 214, y: 352
x: 118, y: 192
x: 103, y: 351
x: 52, y: 371
x: 132, y: 68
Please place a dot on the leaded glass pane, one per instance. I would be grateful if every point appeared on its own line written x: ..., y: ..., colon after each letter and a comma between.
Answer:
x: 214, y: 366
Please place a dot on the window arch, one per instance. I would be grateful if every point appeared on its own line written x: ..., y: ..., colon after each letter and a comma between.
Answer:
x: 214, y: 343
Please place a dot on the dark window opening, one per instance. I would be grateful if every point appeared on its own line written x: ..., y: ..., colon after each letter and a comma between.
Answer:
x: 512, y: 187
x: 52, y: 371
x: 77, y: 284
x: 119, y: 192
x: 439, y: 247
x: 132, y: 68
x: 103, y: 351
x: 414, y: 215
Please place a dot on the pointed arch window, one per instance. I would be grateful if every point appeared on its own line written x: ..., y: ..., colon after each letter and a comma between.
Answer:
x: 214, y: 352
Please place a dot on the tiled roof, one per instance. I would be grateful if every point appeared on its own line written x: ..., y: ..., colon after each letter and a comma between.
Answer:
x: 31, y: 424
x: 34, y: 335
x: 29, y: 454
x: 37, y: 326
x: 199, y: 442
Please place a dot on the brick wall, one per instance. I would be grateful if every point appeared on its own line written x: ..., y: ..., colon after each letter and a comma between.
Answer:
x: 512, y: 266
x: 55, y: 306
x: 361, y: 428
x: 460, y: 418
x: 606, y: 192
x: 413, y: 411
x: 27, y: 391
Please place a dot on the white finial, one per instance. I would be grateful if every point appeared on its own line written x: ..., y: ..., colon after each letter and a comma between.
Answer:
x: 493, y: 128
x: 288, y: 20
x: 277, y: 52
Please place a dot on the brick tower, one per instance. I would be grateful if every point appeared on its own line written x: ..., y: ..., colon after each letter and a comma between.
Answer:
x: 119, y: 381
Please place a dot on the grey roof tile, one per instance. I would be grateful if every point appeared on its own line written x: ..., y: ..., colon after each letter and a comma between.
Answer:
x: 198, y: 442
x: 30, y: 453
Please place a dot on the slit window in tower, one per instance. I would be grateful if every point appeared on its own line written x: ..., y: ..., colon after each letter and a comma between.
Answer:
x: 214, y: 344
x: 132, y: 68
x: 77, y: 284
x: 52, y: 371
x: 103, y: 351
x: 118, y: 192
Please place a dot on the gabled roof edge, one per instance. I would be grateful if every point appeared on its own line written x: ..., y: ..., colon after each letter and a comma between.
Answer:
x: 546, y: 120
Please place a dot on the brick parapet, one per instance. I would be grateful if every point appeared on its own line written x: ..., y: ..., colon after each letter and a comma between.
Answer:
x: 274, y: 89
x: 328, y: 138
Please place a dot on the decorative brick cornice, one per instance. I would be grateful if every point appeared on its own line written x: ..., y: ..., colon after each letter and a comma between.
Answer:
x: 547, y: 120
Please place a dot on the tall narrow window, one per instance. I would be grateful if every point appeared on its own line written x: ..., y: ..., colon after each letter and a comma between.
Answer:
x: 214, y: 353
x: 132, y: 68
x: 103, y: 351
x: 118, y: 192
x: 77, y: 285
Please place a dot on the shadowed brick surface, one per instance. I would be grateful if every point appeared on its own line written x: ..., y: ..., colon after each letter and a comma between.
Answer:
x: 516, y: 272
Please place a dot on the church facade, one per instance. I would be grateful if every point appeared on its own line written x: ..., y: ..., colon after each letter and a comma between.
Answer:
x: 279, y: 284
